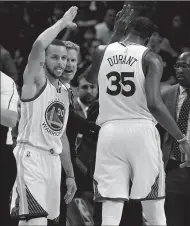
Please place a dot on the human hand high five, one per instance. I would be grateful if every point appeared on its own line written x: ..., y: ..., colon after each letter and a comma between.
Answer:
x: 69, y: 16
x: 123, y: 18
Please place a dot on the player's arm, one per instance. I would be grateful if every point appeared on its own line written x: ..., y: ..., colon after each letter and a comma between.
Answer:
x: 65, y: 157
x: 154, y: 100
x: 36, y: 58
x: 8, y: 118
x: 154, y: 66
x: 91, y: 73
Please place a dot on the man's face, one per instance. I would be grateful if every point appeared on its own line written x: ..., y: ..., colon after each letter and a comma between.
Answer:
x: 87, y: 92
x: 56, y: 60
x: 110, y: 17
x: 71, y: 66
x: 177, y: 22
x: 182, y: 69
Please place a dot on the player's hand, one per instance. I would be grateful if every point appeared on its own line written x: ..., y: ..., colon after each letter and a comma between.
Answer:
x: 185, y: 150
x: 123, y: 18
x: 184, y: 147
x: 71, y: 189
x: 186, y: 163
x: 69, y: 16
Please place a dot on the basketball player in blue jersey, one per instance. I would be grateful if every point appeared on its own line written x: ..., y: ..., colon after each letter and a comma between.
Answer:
x: 129, y: 144
x: 44, y: 114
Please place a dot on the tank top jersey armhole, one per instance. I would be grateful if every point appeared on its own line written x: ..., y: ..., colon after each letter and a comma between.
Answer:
x: 37, y: 95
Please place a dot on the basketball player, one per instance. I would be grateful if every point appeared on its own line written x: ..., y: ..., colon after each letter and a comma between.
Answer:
x: 44, y: 113
x: 129, y: 145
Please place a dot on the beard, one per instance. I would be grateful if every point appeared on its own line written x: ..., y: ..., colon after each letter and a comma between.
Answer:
x: 52, y: 73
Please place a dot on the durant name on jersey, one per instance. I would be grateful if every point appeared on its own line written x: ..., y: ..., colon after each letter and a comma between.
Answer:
x: 121, y: 59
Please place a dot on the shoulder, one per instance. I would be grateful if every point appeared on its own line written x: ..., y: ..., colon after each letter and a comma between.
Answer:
x: 100, y: 50
x: 4, y: 51
x: 5, y: 79
x: 100, y: 26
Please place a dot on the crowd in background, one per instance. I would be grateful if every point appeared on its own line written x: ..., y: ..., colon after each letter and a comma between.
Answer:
x: 22, y: 22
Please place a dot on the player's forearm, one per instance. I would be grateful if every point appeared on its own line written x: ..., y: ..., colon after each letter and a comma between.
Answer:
x: 165, y: 119
x: 65, y: 157
x: 50, y: 34
x: 8, y: 118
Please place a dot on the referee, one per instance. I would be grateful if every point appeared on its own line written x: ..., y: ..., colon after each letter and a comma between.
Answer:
x: 9, y: 100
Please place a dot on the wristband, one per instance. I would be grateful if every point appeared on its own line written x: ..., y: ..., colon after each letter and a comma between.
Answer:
x: 183, y: 139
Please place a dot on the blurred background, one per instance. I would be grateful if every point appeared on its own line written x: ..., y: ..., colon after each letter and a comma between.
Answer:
x: 22, y: 22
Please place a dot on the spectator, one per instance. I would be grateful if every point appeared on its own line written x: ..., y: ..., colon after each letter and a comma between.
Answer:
x: 176, y: 98
x: 87, y: 92
x: 7, y: 64
x: 178, y: 33
x: 168, y: 61
x: 9, y: 99
x: 104, y: 30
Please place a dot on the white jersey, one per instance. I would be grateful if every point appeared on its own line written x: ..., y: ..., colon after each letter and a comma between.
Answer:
x: 122, y: 84
x: 44, y: 118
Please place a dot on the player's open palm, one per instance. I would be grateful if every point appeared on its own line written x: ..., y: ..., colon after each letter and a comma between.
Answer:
x: 123, y: 18
x: 71, y: 190
x: 69, y: 16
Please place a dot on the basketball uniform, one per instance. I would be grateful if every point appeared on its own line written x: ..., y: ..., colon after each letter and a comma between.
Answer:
x: 129, y: 144
x: 36, y: 192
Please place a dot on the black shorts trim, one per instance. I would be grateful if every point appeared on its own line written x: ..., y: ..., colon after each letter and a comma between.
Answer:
x: 101, y: 199
x: 144, y: 199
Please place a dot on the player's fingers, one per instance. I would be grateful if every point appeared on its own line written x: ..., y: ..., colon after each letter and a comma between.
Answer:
x: 123, y: 11
x: 73, y: 11
x: 185, y: 164
x: 69, y: 196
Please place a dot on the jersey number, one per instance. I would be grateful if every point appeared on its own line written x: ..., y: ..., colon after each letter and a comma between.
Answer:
x: 117, y: 79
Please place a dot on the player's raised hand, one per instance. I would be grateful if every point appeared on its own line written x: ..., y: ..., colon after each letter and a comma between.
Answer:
x: 69, y: 16
x: 123, y: 18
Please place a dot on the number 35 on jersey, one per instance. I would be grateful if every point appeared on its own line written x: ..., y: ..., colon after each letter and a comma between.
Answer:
x: 121, y: 83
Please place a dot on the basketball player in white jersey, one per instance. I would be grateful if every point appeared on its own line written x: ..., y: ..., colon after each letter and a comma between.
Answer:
x: 129, y: 145
x: 44, y: 113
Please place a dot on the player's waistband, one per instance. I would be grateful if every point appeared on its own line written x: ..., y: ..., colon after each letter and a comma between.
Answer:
x: 130, y: 122
x: 42, y: 150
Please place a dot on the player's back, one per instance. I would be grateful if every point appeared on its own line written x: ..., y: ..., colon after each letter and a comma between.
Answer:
x: 122, y: 84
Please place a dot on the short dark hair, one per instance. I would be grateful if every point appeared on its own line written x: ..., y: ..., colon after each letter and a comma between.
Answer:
x: 56, y: 42
x: 142, y: 26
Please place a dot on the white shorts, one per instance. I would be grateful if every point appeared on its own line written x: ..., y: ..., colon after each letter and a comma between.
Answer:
x: 36, y: 192
x: 129, y: 150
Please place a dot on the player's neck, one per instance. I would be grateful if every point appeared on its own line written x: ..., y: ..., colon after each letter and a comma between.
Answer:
x: 133, y: 39
x: 53, y: 81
